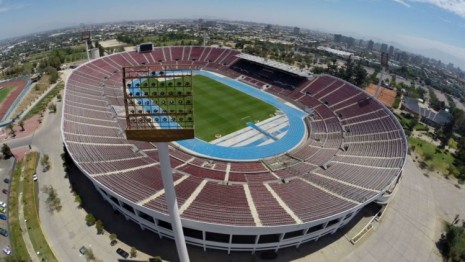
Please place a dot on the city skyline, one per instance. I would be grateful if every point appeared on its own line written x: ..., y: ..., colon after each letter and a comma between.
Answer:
x: 434, y: 28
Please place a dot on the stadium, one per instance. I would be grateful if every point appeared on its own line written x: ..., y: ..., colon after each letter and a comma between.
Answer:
x: 296, y: 157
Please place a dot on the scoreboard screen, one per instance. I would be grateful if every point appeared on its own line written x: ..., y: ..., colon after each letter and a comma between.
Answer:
x: 146, y: 47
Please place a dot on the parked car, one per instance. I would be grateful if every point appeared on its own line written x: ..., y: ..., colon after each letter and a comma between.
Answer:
x: 7, y: 250
x: 6, y: 180
x: 2, y: 204
x: 3, y: 232
x: 2, y: 210
x: 5, y: 191
x: 35, y: 177
x: 3, y: 217
x: 122, y: 253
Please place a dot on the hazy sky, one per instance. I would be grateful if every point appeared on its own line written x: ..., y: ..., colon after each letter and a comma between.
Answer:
x: 435, y: 28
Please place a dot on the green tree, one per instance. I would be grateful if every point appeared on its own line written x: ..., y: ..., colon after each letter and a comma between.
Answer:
x: 133, y: 252
x: 53, y: 73
x: 53, y: 201
x: 52, y: 108
x: 113, y: 238
x: 90, y: 219
x: 6, y: 151
x: 90, y: 255
x: 454, y: 243
x: 427, y: 156
x: 155, y: 259
x: 12, y: 131
x: 21, y: 124
x: 99, y: 226
x: 360, y: 75
x: 78, y: 199
x: 45, y: 162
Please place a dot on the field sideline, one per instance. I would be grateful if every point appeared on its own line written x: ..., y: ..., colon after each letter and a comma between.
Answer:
x: 220, y: 109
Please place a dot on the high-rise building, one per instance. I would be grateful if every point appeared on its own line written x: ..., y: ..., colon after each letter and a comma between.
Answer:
x: 296, y: 31
x: 349, y: 41
x: 384, y: 48
x: 370, y: 45
x: 391, y: 51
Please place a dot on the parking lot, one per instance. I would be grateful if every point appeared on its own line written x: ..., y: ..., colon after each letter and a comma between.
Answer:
x: 6, y: 170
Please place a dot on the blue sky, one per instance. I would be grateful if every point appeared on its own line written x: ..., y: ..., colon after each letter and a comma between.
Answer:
x: 432, y: 27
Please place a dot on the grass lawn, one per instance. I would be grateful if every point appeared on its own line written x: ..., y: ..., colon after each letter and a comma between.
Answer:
x: 19, y: 248
x: 420, y: 127
x: 5, y: 91
x: 220, y: 109
x: 440, y: 160
x: 30, y: 209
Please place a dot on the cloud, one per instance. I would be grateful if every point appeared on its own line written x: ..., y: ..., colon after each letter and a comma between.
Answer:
x: 402, y: 3
x: 454, y: 6
x: 5, y: 6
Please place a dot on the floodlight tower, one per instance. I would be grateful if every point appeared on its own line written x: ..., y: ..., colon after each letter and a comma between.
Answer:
x: 159, y: 108
x: 86, y: 37
x: 203, y: 27
x: 384, y: 67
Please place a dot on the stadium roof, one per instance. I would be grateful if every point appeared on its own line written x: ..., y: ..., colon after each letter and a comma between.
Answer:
x: 276, y: 64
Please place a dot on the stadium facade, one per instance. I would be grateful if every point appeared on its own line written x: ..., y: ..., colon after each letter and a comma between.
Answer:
x: 352, y: 155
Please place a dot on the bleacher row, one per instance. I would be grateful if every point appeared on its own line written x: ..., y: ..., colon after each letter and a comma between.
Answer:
x: 354, y: 149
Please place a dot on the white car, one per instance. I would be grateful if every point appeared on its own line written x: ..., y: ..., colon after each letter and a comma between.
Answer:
x: 35, y: 177
x: 2, y: 204
x: 7, y: 250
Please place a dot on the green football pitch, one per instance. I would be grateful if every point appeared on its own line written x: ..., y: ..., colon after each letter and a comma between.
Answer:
x: 220, y: 109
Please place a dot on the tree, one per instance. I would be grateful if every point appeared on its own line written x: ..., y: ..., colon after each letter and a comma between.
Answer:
x: 53, y: 73
x: 90, y: 255
x: 427, y: 156
x: 21, y: 124
x: 90, y: 219
x: 52, y: 108
x: 53, y: 201
x: 59, y: 97
x: 453, y: 243
x: 78, y: 199
x: 45, y: 162
x: 133, y: 252
x: 12, y: 131
x: 6, y: 151
x: 113, y: 238
x: 360, y: 75
x: 99, y: 226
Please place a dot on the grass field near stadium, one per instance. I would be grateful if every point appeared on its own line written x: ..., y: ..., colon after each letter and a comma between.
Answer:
x: 220, y: 109
x: 5, y: 91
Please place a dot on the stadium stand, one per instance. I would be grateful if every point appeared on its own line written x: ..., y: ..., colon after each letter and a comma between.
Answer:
x: 354, y: 152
